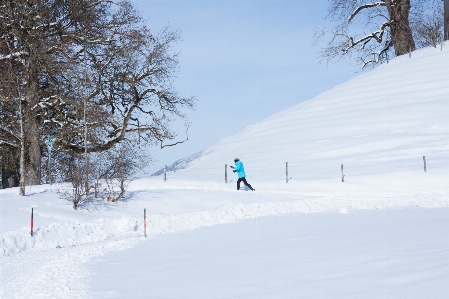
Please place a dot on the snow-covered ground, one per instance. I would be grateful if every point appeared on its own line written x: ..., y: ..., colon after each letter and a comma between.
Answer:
x: 361, y: 254
x: 379, y: 125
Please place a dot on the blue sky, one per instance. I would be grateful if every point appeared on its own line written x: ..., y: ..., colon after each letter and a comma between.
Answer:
x: 243, y: 61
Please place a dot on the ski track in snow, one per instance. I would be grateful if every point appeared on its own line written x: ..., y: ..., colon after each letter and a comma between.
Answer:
x: 49, y: 263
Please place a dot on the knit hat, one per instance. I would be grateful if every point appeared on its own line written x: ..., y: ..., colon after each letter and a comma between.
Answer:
x: 236, y: 159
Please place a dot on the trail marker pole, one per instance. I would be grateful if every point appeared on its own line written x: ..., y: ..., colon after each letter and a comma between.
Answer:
x: 145, y: 222
x: 342, y: 175
x: 425, y: 168
x: 226, y: 173
x: 286, y: 172
x: 32, y: 221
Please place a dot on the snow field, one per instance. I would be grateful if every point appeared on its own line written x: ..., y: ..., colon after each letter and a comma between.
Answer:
x: 379, y: 125
x: 392, y: 253
x: 53, y: 258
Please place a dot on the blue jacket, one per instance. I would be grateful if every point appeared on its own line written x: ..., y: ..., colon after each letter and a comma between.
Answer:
x: 239, y: 169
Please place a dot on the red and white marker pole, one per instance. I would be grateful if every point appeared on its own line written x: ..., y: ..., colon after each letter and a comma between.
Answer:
x: 32, y: 221
x: 145, y: 221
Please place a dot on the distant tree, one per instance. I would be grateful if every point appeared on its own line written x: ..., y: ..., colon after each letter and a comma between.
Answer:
x: 429, y: 30
x: 383, y: 30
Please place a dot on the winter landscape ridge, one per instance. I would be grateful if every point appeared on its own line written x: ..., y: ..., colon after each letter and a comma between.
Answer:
x: 382, y: 233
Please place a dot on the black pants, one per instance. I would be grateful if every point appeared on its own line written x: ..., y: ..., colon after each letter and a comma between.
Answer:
x: 245, y: 182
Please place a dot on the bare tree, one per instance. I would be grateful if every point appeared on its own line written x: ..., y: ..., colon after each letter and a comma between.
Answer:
x: 124, y: 163
x: 381, y: 30
x: 72, y: 173
x: 110, y: 173
x: 428, y: 30
x: 129, y: 88
x: 133, y: 92
x: 31, y: 48
x: 67, y: 57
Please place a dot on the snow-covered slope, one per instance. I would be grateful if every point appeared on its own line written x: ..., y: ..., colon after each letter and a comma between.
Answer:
x: 379, y: 124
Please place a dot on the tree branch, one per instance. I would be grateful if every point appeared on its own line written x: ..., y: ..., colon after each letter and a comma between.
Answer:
x: 375, y: 35
x: 179, y: 142
x: 358, y: 9
x: 5, y: 142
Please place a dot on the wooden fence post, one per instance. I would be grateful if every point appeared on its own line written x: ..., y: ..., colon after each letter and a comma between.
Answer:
x: 286, y: 172
x: 342, y: 175
x: 145, y: 222
x: 425, y: 168
x: 226, y: 173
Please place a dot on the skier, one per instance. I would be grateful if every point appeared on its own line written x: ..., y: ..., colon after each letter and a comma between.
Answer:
x: 241, y: 173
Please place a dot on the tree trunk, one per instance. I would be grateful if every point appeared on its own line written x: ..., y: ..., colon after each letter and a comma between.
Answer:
x: 31, y: 139
x: 401, y: 34
x: 22, y: 150
x: 9, y: 160
x: 33, y: 153
x: 446, y: 20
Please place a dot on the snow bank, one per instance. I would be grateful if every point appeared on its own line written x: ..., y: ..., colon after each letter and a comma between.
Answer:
x: 62, y: 235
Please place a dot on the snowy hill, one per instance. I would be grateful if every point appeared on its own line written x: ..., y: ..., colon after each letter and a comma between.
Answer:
x: 379, y: 125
